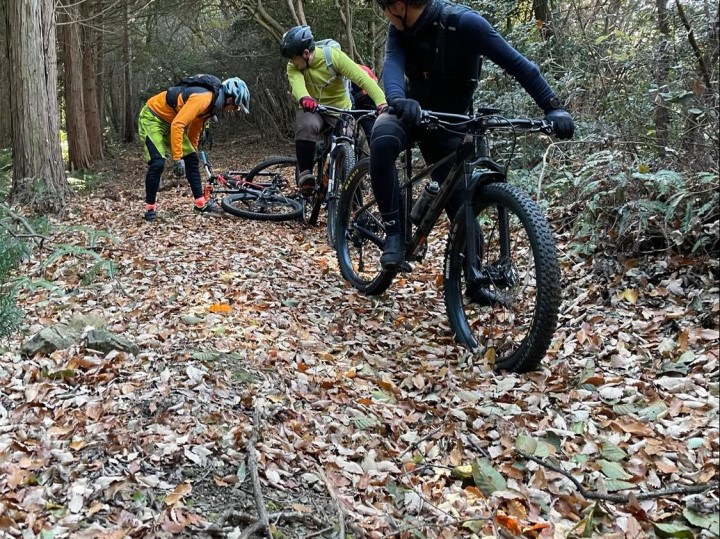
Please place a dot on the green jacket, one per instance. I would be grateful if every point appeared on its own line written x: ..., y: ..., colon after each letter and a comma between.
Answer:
x: 317, y: 81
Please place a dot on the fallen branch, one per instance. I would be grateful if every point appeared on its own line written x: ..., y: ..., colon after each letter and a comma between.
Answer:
x: 255, y: 477
x: 231, y: 517
x: 338, y: 508
x: 617, y: 498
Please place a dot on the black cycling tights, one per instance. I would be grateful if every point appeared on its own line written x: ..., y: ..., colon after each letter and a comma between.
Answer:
x: 389, y: 138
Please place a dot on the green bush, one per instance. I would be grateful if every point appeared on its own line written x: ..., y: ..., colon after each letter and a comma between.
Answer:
x: 5, y: 172
x: 614, y: 199
x: 11, y: 253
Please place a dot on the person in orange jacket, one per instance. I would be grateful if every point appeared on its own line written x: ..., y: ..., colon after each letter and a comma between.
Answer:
x: 173, y: 120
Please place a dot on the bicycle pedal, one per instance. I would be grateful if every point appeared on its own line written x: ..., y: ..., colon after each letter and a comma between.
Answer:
x: 405, y: 267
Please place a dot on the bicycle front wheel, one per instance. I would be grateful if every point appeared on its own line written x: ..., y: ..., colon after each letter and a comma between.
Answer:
x: 360, y: 235
x: 261, y: 207
x: 343, y: 162
x: 509, y: 311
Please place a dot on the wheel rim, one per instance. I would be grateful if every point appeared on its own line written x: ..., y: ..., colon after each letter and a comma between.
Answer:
x: 499, y: 309
x: 361, y: 253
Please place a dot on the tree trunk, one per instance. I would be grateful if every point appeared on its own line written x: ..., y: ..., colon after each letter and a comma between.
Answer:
x: 543, y: 18
x: 113, y: 103
x: 77, y: 137
x: 90, y: 52
x: 128, y: 130
x: 38, y: 174
x: 662, y: 74
x: 5, y: 127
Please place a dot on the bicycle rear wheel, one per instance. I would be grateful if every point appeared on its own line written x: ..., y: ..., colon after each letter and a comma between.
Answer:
x: 279, y: 173
x: 360, y: 235
x: 261, y: 207
x: 510, y: 313
x: 343, y: 162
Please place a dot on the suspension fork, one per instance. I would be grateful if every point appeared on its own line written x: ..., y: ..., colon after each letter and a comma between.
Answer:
x: 473, y: 263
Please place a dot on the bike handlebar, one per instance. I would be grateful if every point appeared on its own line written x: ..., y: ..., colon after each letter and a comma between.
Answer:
x: 353, y: 112
x: 482, y: 121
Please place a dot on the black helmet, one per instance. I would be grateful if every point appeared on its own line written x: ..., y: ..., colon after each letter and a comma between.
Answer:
x: 296, y: 40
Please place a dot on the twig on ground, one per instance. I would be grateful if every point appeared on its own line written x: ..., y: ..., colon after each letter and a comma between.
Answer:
x: 617, y: 498
x: 255, y: 476
x: 230, y: 517
x: 320, y: 532
x: 338, y: 506
x: 416, y: 443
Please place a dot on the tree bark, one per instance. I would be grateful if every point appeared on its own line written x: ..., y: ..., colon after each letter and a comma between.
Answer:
x: 38, y: 173
x: 5, y: 127
x: 77, y: 136
x: 662, y: 74
x: 128, y: 130
x: 90, y: 51
x: 543, y: 18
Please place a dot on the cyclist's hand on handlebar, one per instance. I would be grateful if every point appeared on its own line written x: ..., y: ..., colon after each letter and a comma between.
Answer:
x: 562, y: 123
x: 408, y: 110
x: 308, y: 104
x: 179, y: 168
x: 382, y: 107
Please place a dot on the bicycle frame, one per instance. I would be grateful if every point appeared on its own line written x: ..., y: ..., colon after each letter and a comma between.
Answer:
x: 223, y: 185
x: 472, y: 167
x: 335, y: 139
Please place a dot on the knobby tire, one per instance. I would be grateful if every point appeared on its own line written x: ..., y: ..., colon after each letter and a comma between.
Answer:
x: 358, y: 256
x: 516, y: 331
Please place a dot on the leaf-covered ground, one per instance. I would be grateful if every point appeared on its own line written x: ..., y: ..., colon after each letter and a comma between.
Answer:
x: 366, y: 416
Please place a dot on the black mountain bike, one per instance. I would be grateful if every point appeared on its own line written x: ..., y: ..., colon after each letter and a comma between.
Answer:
x: 255, y: 194
x: 501, y: 275
x: 334, y: 158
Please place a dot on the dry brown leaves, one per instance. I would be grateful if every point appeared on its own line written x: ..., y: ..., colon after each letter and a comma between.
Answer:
x: 366, y: 397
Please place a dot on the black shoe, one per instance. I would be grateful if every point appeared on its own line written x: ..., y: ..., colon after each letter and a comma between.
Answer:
x: 150, y: 215
x: 306, y: 183
x: 393, y: 253
x: 208, y: 207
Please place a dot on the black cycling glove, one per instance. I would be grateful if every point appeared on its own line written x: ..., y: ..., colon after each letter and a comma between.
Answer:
x: 408, y: 110
x: 562, y: 122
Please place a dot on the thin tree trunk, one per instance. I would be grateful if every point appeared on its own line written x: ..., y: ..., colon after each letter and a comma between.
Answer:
x: 128, y: 130
x: 5, y: 127
x: 78, y: 152
x: 662, y: 74
x: 543, y: 18
x: 38, y: 173
x: 89, y: 76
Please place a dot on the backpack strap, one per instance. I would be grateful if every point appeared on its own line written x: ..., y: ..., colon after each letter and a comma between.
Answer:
x: 449, y: 19
x: 327, y: 53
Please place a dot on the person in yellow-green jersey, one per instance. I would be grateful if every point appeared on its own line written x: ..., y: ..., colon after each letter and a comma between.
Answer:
x: 172, y: 122
x: 318, y: 75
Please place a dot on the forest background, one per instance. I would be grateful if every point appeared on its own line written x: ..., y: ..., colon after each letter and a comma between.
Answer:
x: 633, y: 199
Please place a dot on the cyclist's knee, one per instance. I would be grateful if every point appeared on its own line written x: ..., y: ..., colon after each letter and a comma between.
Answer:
x: 156, y: 164
x: 191, y: 160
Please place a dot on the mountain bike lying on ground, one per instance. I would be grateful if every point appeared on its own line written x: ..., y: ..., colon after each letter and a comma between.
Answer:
x: 501, y: 275
x: 334, y: 158
x: 256, y: 194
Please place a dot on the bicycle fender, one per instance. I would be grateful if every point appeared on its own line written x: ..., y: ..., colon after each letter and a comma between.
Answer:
x: 478, y: 180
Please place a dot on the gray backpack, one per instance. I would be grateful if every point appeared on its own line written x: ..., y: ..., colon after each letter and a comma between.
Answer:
x: 326, y: 45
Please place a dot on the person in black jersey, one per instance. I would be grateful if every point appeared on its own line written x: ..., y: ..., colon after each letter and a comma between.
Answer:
x: 432, y: 61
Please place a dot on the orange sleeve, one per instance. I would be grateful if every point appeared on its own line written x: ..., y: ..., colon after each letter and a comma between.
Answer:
x: 195, y: 130
x: 196, y: 105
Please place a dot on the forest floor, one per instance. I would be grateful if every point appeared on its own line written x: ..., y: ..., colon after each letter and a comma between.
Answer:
x: 361, y: 411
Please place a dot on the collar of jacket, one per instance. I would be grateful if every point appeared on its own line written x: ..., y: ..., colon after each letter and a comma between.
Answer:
x: 431, y: 12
